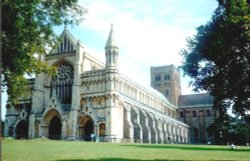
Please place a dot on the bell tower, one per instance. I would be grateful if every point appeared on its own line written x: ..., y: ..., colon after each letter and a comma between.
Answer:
x: 113, y: 112
x: 166, y: 80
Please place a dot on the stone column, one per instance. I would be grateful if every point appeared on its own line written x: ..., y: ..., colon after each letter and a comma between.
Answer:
x: 171, y: 132
x: 44, y: 132
x: 155, y: 128
x: 72, y: 124
x: 31, y: 131
x: 136, y: 124
x: 116, y: 118
x: 152, y: 131
x: 159, y: 129
x: 164, y: 132
x: 147, y: 126
x: 143, y: 122
x: 139, y: 123
x: 131, y: 128
x: 64, y: 130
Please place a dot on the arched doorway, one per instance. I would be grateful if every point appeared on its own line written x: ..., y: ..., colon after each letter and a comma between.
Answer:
x: 55, y: 128
x: 22, y: 130
x: 86, y: 128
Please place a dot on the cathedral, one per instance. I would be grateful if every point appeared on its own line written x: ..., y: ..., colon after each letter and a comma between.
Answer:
x: 92, y: 101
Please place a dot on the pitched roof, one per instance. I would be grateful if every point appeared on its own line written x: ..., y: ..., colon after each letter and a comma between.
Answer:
x: 195, y: 100
x: 70, y: 39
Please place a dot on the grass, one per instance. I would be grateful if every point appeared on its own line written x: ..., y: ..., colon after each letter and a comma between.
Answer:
x: 48, y: 150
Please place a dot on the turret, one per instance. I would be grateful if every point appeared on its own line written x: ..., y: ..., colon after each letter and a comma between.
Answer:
x: 111, y: 51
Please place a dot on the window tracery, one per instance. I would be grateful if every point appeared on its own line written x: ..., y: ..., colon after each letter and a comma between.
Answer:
x: 62, y: 82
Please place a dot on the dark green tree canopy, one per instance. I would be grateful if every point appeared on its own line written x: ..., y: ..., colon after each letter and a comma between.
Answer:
x: 230, y: 129
x: 27, y: 31
x: 218, y: 57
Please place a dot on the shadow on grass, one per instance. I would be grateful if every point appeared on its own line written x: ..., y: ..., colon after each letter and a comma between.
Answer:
x: 183, y: 147
x: 125, y: 159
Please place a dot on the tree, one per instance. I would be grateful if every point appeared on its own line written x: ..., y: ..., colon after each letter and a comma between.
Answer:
x: 230, y: 130
x: 217, y: 58
x: 27, y: 31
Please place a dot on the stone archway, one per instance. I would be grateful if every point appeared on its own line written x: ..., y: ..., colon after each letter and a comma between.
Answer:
x: 52, y: 124
x: 55, y: 128
x: 22, y: 130
x: 86, y: 128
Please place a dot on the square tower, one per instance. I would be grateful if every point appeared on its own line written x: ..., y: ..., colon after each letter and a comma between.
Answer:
x: 166, y: 80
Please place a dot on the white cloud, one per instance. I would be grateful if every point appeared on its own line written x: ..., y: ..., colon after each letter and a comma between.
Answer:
x: 148, y: 33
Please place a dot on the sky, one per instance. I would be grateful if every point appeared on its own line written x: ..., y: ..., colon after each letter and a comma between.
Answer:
x: 147, y: 32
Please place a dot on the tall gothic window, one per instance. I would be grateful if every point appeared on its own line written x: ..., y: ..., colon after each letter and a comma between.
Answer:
x: 62, y: 83
x: 65, y: 46
x: 167, y: 93
x: 194, y: 113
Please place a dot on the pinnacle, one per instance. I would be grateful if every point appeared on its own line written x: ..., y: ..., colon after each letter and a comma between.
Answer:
x: 111, y: 39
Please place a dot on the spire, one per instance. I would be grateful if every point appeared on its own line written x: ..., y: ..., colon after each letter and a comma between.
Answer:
x: 65, y: 27
x: 111, y: 40
x: 111, y: 51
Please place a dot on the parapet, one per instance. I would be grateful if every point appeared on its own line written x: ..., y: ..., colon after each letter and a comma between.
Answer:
x: 163, y: 68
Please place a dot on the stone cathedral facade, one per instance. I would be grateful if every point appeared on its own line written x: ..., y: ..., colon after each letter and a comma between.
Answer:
x: 88, y: 99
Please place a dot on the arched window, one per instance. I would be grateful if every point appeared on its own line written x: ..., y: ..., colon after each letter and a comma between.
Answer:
x: 167, y: 77
x: 109, y: 57
x: 181, y: 114
x: 158, y: 78
x: 208, y: 113
x: 62, y: 82
x: 167, y: 93
x: 194, y: 113
x: 102, y: 129
x: 196, y: 132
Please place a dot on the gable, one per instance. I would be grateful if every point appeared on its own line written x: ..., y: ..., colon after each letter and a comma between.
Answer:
x: 67, y: 43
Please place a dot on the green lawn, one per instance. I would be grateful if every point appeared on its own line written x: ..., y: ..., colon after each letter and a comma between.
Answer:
x: 43, y: 150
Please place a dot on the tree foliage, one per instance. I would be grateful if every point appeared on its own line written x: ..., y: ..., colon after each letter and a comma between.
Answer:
x: 217, y: 58
x: 230, y: 130
x: 27, y: 31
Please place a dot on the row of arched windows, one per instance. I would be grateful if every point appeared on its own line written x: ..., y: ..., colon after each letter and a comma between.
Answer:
x: 194, y: 113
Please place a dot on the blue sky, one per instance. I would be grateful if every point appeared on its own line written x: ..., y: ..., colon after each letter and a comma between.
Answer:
x: 148, y: 32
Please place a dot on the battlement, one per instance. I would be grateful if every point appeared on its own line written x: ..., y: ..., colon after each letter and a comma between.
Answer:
x: 164, y: 68
x: 166, y: 80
